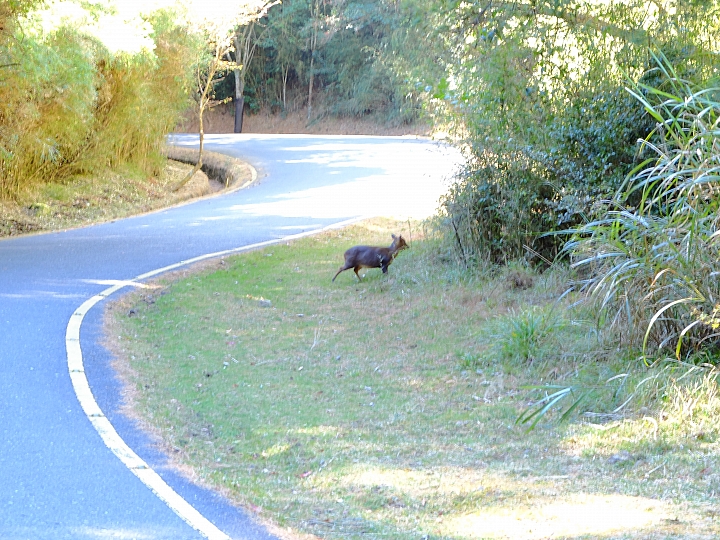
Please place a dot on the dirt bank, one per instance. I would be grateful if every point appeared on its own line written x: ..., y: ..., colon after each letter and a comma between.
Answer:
x: 221, y: 120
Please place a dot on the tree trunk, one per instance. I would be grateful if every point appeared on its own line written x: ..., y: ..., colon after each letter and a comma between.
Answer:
x: 315, y: 14
x: 310, y: 89
x: 240, y: 81
x: 202, y: 104
x: 239, y: 100
x: 201, y: 147
x: 198, y: 165
x: 239, y: 111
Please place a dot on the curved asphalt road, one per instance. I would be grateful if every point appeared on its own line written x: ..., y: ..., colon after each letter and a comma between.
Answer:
x: 57, y: 478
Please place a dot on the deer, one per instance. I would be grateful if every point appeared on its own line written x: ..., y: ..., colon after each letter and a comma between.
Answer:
x: 358, y: 257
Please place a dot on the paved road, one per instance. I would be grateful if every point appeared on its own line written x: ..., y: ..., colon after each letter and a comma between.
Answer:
x: 57, y: 478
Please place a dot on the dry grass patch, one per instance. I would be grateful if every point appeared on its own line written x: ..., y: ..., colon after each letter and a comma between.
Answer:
x: 87, y: 200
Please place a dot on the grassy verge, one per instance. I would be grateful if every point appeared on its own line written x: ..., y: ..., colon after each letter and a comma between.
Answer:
x: 88, y: 200
x: 387, y: 408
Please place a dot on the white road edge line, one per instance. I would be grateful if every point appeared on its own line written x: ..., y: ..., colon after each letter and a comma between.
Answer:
x: 103, y: 426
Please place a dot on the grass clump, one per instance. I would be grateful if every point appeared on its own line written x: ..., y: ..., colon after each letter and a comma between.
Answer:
x: 351, y: 409
x: 527, y: 336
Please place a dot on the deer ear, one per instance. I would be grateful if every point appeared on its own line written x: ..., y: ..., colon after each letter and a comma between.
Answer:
x: 393, y: 236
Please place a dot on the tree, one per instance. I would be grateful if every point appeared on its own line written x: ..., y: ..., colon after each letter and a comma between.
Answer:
x: 218, y: 23
x: 315, y: 23
x: 245, y: 44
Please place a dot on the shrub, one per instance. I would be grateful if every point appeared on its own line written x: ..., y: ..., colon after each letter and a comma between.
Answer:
x: 542, y: 83
x: 510, y: 196
x: 497, y: 208
x: 593, y: 143
x: 46, y: 115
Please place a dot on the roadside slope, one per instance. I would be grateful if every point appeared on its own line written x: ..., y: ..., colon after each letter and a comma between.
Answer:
x: 120, y: 194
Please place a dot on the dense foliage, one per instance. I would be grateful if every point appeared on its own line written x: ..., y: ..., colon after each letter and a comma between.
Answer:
x: 651, y: 259
x: 537, y: 91
x: 70, y: 105
x: 349, y: 52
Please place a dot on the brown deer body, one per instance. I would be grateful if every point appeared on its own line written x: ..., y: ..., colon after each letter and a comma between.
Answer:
x: 358, y: 257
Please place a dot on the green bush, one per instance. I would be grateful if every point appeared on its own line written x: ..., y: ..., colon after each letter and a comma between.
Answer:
x: 593, y: 143
x: 497, y: 209
x: 506, y: 200
x: 536, y: 91
x: 46, y: 116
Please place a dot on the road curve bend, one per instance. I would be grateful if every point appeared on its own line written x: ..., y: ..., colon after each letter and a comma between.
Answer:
x: 59, y: 399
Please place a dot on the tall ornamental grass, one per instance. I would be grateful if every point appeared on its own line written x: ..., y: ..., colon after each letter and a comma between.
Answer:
x: 652, y: 261
x: 69, y: 106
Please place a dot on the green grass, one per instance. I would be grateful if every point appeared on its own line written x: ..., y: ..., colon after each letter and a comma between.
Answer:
x: 387, y: 408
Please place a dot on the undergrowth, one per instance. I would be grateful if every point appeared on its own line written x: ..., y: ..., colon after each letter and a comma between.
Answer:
x: 650, y: 261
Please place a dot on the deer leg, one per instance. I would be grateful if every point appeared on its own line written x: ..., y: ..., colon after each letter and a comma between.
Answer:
x: 356, y: 272
x: 342, y: 269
